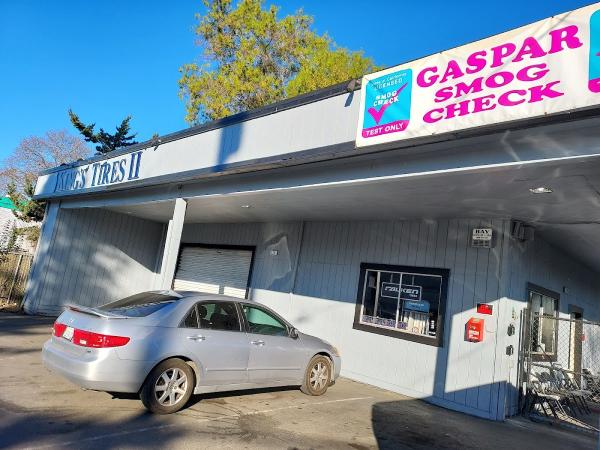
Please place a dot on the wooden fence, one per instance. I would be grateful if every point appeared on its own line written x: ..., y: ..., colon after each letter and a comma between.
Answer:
x: 14, y: 271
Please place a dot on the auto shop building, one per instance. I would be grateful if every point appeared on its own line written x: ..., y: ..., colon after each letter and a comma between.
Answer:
x: 468, y: 190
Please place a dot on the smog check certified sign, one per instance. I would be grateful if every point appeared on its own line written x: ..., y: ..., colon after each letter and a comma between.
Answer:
x: 387, y: 104
x: 551, y: 66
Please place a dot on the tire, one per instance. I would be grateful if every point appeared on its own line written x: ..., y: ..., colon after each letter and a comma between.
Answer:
x: 317, y: 377
x: 173, y: 378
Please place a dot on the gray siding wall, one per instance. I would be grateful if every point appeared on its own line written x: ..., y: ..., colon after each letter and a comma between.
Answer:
x: 271, y: 273
x: 541, y: 263
x: 94, y: 256
x: 460, y: 374
x: 322, y: 302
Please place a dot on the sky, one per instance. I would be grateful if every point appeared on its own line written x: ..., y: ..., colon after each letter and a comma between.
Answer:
x: 109, y: 59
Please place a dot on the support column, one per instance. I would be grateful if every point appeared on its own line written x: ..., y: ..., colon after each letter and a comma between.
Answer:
x: 172, y: 243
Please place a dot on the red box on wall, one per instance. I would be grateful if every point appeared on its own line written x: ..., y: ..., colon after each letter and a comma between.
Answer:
x: 475, y: 329
x: 485, y: 308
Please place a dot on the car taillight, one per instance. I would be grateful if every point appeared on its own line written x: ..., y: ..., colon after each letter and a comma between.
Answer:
x: 58, y: 329
x: 97, y: 340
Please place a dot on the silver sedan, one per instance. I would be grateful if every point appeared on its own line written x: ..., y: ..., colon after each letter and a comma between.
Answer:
x: 166, y: 345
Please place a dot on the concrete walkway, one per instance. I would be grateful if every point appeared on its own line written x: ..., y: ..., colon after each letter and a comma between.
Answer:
x: 41, y: 410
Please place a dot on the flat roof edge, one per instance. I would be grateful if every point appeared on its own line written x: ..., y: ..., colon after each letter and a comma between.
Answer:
x: 345, y: 87
x: 255, y: 165
x: 334, y: 152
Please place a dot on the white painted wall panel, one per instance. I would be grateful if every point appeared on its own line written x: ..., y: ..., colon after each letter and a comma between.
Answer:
x: 459, y: 375
x: 417, y: 368
x: 95, y: 256
x: 462, y: 375
x: 540, y: 263
x: 270, y: 272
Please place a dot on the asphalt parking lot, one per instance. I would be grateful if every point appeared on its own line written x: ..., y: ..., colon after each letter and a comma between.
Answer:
x: 41, y: 410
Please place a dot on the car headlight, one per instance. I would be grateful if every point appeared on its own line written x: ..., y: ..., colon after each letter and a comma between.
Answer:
x: 335, y: 351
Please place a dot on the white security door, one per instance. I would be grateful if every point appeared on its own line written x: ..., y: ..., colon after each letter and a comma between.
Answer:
x: 213, y: 270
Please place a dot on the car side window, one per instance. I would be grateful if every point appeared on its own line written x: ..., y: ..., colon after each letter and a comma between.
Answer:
x: 221, y: 316
x: 191, y: 320
x: 261, y: 322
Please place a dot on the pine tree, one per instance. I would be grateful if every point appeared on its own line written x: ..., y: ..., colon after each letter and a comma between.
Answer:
x: 107, y: 142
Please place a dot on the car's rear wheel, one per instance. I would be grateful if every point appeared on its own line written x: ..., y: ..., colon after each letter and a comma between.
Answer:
x: 168, y: 387
x: 318, y: 376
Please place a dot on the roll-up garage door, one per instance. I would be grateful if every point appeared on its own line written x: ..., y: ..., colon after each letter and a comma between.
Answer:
x: 213, y: 270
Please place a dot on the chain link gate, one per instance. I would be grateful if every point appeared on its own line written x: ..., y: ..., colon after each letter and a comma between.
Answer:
x: 14, y: 271
x: 560, y: 370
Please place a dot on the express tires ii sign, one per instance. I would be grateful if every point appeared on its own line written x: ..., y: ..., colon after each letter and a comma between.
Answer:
x: 547, y: 67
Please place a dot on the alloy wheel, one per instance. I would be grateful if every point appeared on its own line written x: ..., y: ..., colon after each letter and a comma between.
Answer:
x: 170, y: 387
x: 319, y: 376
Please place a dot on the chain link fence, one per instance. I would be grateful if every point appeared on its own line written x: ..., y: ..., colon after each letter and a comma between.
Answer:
x: 14, y: 271
x: 561, y: 370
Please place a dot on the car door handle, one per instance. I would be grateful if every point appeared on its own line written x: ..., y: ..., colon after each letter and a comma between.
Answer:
x: 197, y: 337
x: 259, y: 342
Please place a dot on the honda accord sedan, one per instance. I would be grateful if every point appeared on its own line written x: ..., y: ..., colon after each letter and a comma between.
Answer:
x: 167, y: 345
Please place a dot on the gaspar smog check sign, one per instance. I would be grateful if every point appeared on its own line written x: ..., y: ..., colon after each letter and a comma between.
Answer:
x: 547, y: 67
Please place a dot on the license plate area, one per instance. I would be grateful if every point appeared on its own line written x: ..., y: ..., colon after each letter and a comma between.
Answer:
x: 68, y: 334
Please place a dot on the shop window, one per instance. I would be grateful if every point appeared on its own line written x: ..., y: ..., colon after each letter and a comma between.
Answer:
x: 543, y: 305
x: 403, y: 302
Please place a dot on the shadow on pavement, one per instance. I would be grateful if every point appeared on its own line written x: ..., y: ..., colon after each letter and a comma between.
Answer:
x: 47, y: 429
x: 21, y: 324
x: 414, y: 424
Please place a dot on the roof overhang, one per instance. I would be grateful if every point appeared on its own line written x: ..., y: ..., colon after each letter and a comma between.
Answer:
x: 569, y: 216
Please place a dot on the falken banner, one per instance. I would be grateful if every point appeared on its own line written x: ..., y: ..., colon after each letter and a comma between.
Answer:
x: 548, y: 67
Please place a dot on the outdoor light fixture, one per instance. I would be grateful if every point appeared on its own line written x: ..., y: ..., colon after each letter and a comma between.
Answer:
x: 541, y: 190
x: 246, y: 206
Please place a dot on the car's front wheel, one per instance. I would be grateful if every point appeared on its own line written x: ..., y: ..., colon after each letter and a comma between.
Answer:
x: 318, y: 376
x: 168, y: 387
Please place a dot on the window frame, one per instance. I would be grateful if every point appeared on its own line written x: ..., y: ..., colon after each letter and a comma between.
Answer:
x: 185, y: 316
x: 288, y: 327
x: 537, y: 356
x: 241, y: 319
x: 444, y: 274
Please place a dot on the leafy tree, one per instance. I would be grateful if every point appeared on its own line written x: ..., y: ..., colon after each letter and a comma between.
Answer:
x: 107, y: 142
x: 27, y: 209
x: 37, y: 153
x: 252, y: 58
x: 20, y: 169
x: 326, y: 66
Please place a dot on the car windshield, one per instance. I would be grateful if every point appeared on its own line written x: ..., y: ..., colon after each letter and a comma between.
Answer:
x: 139, y: 305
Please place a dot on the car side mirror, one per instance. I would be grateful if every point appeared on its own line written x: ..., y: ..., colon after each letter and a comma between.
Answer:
x: 294, y: 333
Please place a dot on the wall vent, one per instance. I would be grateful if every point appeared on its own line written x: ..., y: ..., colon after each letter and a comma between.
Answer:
x: 522, y: 231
